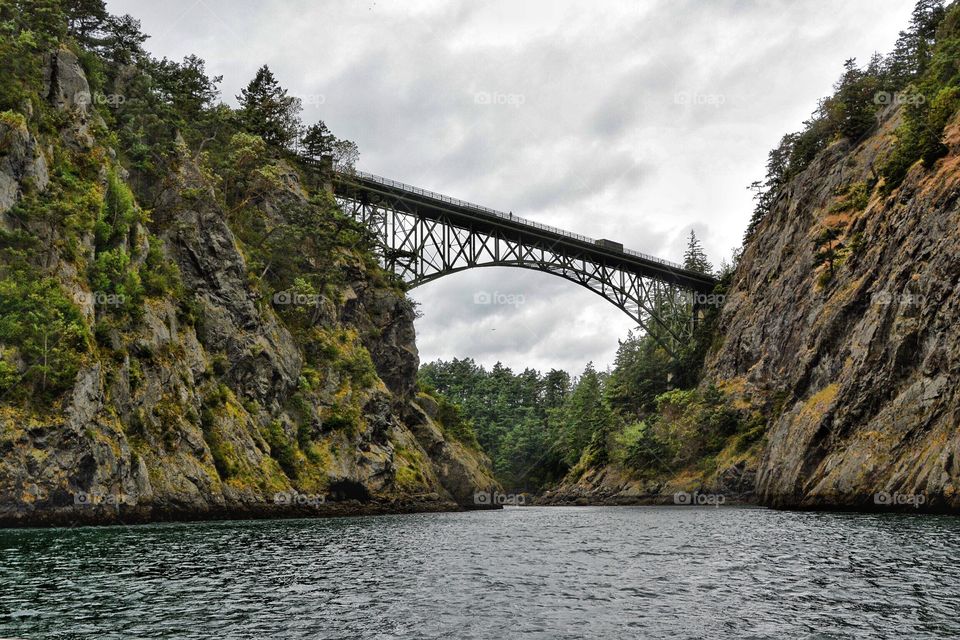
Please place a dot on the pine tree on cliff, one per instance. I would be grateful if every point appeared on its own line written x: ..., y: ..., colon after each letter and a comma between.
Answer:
x: 187, y: 86
x: 268, y: 111
x: 765, y: 192
x: 695, y: 258
x: 827, y: 246
x: 851, y: 108
x: 85, y: 18
x: 123, y: 42
x: 317, y: 140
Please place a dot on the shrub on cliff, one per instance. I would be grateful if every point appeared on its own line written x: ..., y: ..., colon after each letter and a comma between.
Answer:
x: 43, y: 338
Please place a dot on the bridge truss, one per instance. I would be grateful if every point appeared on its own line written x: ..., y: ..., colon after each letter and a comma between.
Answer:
x: 423, y: 236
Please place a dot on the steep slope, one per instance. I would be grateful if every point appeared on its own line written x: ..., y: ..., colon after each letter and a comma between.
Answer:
x: 158, y: 380
x: 859, y: 371
x: 849, y: 366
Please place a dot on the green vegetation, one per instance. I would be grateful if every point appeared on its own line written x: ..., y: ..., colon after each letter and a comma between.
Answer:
x: 450, y: 418
x: 43, y: 338
x: 687, y: 427
x: 87, y: 271
x: 156, y: 116
x: 513, y: 417
x: 268, y: 111
x: 695, y: 258
x: 118, y: 214
x: 828, y: 251
x: 538, y: 428
x: 855, y: 197
x: 28, y: 29
x: 282, y: 448
x: 921, y: 74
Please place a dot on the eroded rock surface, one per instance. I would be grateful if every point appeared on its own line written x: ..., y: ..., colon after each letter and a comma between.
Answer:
x: 214, y: 409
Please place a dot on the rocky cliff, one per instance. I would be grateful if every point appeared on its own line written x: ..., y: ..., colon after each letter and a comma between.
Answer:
x: 850, y: 366
x: 856, y: 362
x: 206, y: 397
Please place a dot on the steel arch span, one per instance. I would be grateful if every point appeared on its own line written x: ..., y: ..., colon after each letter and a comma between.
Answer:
x: 423, y: 236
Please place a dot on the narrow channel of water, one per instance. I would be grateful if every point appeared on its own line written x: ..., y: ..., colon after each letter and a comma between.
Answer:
x: 610, y: 572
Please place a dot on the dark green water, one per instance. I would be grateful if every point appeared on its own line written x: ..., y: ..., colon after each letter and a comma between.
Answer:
x: 521, y: 573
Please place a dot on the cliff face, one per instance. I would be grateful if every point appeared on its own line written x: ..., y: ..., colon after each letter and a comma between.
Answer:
x: 210, y: 403
x: 859, y: 370
x: 850, y: 370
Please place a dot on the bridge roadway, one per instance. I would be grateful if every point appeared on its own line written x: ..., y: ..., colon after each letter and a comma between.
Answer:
x: 358, y: 185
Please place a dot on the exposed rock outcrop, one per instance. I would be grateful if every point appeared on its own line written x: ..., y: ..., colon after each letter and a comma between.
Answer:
x: 22, y: 164
x: 213, y: 408
x: 854, y: 367
x: 865, y: 364
x: 462, y: 471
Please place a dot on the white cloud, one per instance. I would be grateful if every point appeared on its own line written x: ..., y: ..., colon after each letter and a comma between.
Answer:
x: 637, y: 122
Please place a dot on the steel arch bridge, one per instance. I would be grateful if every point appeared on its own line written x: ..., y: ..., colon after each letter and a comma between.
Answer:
x: 424, y: 235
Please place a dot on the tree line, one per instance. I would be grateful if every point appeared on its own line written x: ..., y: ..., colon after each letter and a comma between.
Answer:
x: 921, y: 75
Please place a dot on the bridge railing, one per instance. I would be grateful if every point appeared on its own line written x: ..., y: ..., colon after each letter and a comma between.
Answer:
x: 499, y: 214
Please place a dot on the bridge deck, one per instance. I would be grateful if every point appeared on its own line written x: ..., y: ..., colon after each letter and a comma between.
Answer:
x: 348, y: 183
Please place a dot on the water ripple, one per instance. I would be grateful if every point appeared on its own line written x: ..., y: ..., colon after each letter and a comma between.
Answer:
x: 532, y: 572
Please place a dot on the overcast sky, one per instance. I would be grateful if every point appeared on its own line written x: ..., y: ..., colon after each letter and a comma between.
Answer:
x: 636, y: 121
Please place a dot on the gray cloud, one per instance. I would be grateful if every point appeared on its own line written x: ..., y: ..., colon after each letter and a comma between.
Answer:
x: 638, y: 122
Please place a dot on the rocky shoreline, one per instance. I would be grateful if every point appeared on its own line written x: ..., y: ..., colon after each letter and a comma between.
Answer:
x: 139, y: 515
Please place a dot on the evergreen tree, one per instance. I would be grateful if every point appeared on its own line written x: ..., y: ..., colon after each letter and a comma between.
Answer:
x: 317, y: 140
x: 123, y: 40
x: 268, y: 111
x: 585, y: 414
x: 912, y: 52
x: 852, y: 107
x: 765, y: 193
x: 827, y: 245
x: 85, y: 19
x: 556, y: 388
x: 186, y: 86
x: 642, y: 371
x: 695, y: 258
